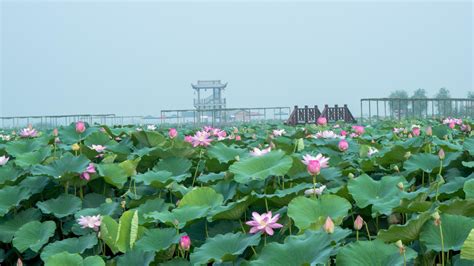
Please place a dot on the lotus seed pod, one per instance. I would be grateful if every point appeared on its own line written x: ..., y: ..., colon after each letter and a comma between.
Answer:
x: 396, y: 168
x: 351, y: 175
x: 75, y: 147
x: 407, y: 155
x: 400, y: 185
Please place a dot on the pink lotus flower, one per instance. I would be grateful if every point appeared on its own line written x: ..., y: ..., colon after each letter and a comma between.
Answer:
x: 80, y: 127
x: 172, y: 133
x: 343, y: 145
x: 28, y: 132
x: 208, y: 128
x: 466, y: 128
x: 398, y: 130
x: 343, y: 133
x: 185, y: 243
x: 264, y: 223
x: 98, y: 148
x: 4, y: 160
x: 329, y: 225
x: 221, y: 134
x: 323, y: 161
x: 429, y: 131
x: 452, y: 125
x: 188, y: 139
x: 90, y: 222
x: 257, y: 152
x: 55, y: 132
x: 313, y: 167
x: 415, y: 130
x: 278, y: 132
x: 318, y: 191
x: 201, y: 138
x: 327, y: 134
x: 359, y: 130
x: 238, y: 138
x: 322, y: 121
x: 89, y: 170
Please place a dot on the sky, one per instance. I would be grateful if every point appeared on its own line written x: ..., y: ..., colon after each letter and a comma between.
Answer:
x: 139, y: 57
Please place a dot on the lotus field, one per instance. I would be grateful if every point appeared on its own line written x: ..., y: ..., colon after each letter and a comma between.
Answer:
x: 328, y: 194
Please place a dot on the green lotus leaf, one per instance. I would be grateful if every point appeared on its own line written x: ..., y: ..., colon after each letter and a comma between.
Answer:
x: 148, y: 139
x: 211, y: 177
x: 455, y: 229
x: 71, y: 245
x: 66, y: 164
x: 158, y: 239
x: 176, y: 165
x: 66, y: 258
x: 311, y: 213
x: 469, y: 145
x: 68, y: 135
x: 9, y: 173
x: 62, y: 206
x: 469, y: 189
x: 9, y: 225
x: 99, y: 138
x: 224, y: 154
x: 422, y: 161
x: 202, y: 196
x: 458, y: 207
x: 407, y: 233
x: 383, y: 195
x: 33, y: 235
x: 280, y: 193
x: 136, y: 257
x: 232, y: 211
x: 275, y: 163
x: 109, y: 233
x: 28, y: 159
x: 127, y: 231
x: 11, y: 196
x: 113, y: 174
x: 151, y: 205
x: 468, y: 164
x: 158, y: 179
x: 179, y: 217
x: 310, y: 248
x: 373, y: 253
x: 467, y: 250
x: 223, y: 248
x: 19, y: 147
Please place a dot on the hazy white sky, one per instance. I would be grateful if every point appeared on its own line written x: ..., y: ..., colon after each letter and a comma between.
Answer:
x: 138, y: 57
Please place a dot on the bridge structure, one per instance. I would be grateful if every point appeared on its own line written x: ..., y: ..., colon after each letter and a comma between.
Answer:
x: 310, y: 115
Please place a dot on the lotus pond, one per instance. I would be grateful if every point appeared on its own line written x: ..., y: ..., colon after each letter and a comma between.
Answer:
x: 387, y: 194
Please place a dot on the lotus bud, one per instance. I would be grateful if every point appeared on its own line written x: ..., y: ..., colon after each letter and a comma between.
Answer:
x: 400, y: 246
x: 429, y: 131
x: 314, y: 167
x: 437, y: 218
x: 75, y: 147
x: 358, y: 223
x: 407, y: 155
x: 343, y: 145
x: 19, y: 262
x: 238, y: 138
x: 123, y: 204
x: 322, y: 121
x: 55, y: 132
x: 441, y: 154
x: 351, y: 175
x: 410, y: 136
x: 329, y: 225
x: 185, y: 243
x: 80, y: 127
x: 396, y: 168
x: 400, y: 186
x: 237, y: 158
x: 172, y: 133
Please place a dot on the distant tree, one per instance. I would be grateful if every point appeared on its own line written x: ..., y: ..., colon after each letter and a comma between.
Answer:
x: 419, y: 107
x: 470, y: 95
x: 399, y: 106
x: 445, y: 108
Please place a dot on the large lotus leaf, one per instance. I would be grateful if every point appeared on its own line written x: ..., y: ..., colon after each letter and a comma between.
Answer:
x: 34, y: 184
x: 19, y: 147
x: 9, y: 225
x: 109, y: 232
x: 32, y: 158
x: 311, y: 248
x: 127, y: 231
x: 407, y: 233
x: 158, y: 239
x: 422, y: 161
x: 33, y: 235
x: 202, y: 196
x: 9, y: 173
x: 468, y: 164
x: 211, y: 177
x: 469, y: 189
x: 469, y: 145
x: 113, y: 174
x: 68, y: 135
x: 259, y: 168
x: 66, y: 164
x: 178, y: 217
x: 383, y: 195
x: 158, y: 179
x: 71, y: 245
x: 455, y: 229
x: 467, y: 250
x: 11, y: 196
x: 223, y: 248
x: 136, y: 258
x: 176, y: 165
x: 224, y: 154
x: 458, y: 207
x: 311, y: 213
x: 233, y: 211
x: 280, y: 193
x: 373, y: 253
x: 396, y: 154
x: 99, y: 138
x: 151, y: 205
x: 66, y: 258
x: 148, y: 139
x: 61, y: 206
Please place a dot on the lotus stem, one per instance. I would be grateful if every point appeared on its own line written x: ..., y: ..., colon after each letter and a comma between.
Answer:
x: 404, y: 259
x: 197, y: 167
x: 368, y: 233
x: 357, y: 235
x: 205, y: 228
x: 442, y: 243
